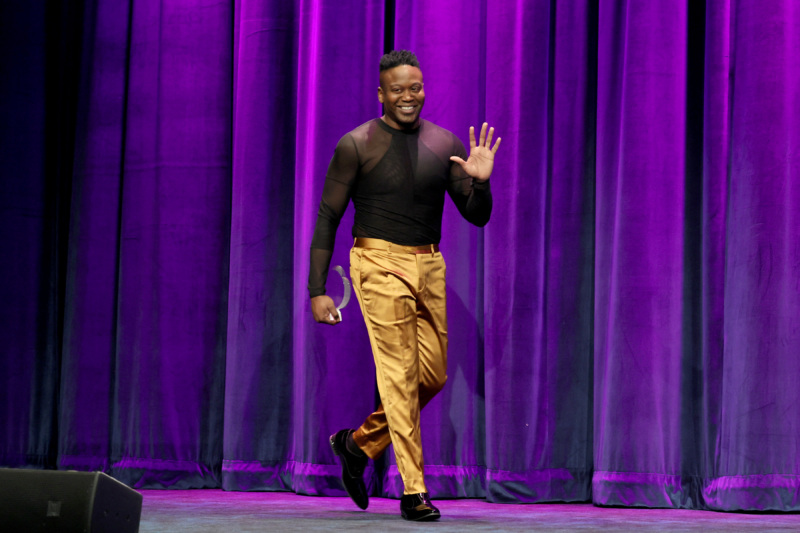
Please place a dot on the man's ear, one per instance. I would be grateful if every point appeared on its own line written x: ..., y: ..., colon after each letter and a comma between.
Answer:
x: 380, y: 94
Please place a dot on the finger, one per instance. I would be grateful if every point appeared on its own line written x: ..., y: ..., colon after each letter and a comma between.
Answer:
x: 458, y: 160
x: 489, y: 138
x: 494, y: 150
x: 483, y: 133
x: 471, y: 137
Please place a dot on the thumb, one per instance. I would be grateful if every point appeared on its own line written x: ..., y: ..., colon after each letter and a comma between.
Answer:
x: 333, y: 312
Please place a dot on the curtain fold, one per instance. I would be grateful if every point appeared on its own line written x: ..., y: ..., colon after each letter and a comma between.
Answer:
x: 287, y: 378
x: 333, y: 382
x: 757, y: 446
x: 538, y: 280
x: 452, y: 423
x: 623, y: 331
x: 259, y: 340
x: 641, y: 151
x: 88, y: 366
x: 715, y: 153
x: 174, y: 232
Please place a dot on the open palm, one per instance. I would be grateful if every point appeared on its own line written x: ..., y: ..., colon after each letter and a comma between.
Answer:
x: 480, y: 162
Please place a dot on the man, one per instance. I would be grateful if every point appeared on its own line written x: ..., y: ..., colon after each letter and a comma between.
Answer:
x: 396, y: 170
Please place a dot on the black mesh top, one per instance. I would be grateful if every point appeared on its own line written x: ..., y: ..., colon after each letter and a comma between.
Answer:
x: 397, y: 180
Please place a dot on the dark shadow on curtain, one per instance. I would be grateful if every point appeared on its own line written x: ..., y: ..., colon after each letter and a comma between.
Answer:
x: 41, y: 64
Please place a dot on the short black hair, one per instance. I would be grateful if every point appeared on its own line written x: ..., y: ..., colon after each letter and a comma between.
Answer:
x: 395, y: 58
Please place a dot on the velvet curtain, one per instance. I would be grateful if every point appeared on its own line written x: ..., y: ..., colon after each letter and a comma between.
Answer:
x: 624, y: 331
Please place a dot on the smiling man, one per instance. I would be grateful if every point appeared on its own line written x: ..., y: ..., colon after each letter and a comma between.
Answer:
x: 396, y: 170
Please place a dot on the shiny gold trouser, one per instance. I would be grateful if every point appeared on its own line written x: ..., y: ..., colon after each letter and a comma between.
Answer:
x: 401, y: 290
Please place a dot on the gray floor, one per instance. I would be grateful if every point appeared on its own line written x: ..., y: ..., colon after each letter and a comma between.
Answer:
x: 201, y: 511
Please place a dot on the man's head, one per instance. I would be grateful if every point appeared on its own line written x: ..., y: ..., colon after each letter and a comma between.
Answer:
x: 401, y: 89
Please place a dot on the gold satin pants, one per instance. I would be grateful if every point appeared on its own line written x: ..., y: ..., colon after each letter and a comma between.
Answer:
x: 401, y: 291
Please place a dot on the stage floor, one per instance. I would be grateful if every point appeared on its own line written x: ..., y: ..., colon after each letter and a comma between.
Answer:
x: 201, y: 511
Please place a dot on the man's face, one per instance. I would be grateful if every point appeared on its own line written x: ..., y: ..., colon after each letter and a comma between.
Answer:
x: 402, y: 95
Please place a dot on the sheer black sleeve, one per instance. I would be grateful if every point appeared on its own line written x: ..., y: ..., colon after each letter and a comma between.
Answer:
x: 473, y: 198
x: 339, y: 181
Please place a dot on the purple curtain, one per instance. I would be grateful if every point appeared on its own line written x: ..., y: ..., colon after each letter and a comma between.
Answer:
x: 644, y: 358
x: 624, y: 331
x: 540, y: 250
x: 758, y: 429
x: 304, y: 74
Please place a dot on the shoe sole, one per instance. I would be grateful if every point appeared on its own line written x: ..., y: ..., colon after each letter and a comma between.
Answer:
x: 332, y: 442
x: 430, y: 517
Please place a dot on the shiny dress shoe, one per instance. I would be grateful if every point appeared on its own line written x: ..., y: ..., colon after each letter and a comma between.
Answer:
x: 352, y: 468
x: 418, y: 507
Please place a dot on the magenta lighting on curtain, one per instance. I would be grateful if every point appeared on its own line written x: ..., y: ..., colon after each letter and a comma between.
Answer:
x: 624, y: 331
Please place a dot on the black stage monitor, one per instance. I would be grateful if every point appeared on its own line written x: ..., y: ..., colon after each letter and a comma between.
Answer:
x: 66, y: 501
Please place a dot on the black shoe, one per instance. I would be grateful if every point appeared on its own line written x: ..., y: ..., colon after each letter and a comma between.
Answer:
x: 418, y: 507
x: 352, y: 468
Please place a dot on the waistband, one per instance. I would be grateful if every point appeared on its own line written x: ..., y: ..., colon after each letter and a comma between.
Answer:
x: 380, y: 244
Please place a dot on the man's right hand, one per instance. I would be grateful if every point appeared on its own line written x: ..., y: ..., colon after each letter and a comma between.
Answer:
x: 324, y: 310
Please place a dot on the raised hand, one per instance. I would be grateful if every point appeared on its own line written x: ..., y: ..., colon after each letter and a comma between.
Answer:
x: 480, y: 162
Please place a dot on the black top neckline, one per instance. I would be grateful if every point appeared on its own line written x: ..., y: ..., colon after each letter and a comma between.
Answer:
x: 396, y: 131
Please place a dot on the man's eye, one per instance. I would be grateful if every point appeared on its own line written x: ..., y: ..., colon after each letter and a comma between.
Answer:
x: 396, y: 90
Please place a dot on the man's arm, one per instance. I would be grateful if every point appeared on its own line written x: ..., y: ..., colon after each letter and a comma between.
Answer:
x: 336, y: 193
x: 469, y: 180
